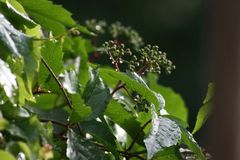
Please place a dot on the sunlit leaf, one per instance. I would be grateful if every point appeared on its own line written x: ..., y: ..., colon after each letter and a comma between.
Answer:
x: 50, y: 16
x: 175, y: 104
x: 164, y: 133
x: 14, y: 42
x: 205, y: 109
x: 8, y: 81
x: 6, y: 155
x: 16, y: 13
x: 52, y: 54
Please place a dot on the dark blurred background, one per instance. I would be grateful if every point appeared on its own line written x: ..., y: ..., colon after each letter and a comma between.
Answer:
x: 177, y: 26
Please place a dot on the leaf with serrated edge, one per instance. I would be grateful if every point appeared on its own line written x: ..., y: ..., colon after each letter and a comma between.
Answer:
x: 164, y: 133
x: 50, y: 16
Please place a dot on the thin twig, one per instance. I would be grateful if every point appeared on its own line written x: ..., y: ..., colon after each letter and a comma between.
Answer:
x: 117, y: 88
x: 137, y: 136
x: 117, y: 85
x: 142, y: 70
x: 58, y: 82
x: 54, y: 122
x: 122, y: 153
x: 63, y: 91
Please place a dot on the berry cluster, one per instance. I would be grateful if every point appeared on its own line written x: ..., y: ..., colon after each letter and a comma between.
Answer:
x: 118, y: 30
x: 142, y: 105
x: 96, y: 26
x: 149, y: 58
x: 153, y: 60
x: 116, y: 52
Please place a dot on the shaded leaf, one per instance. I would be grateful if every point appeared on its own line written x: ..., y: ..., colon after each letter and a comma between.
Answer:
x: 99, y: 131
x: 175, y: 104
x: 50, y: 16
x: 26, y: 128
x: 205, y: 109
x: 19, y: 146
x: 81, y: 148
x: 96, y: 95
x: 102, y: 134
x: 164, y: 133
x: 11, y: 112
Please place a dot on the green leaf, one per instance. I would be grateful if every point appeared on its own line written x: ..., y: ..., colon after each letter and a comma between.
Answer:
x: 8, y: 81
x: 102, y: 134
x: 170, y: 153
x: 124, y: 119
x: 70, y: 76
x: 16, y: 13
x: 81, y: 148
x: 26, y: 128
x: 188, y: 139
x: 164, y: 133
x: 84, y: 30
x: 19, y: 146
x: 23, y: 94
x: 11, y: 112
x: 3, y: 124
x: 52, y: 54
x: 205, y: 109
x: 17, y: 66
x: 80, y: 111
x: 175, y: 104
x: 50, y: 16
x: 81, y: 47
x: 113, y: 76
x: 6, y: 155
x: 96, y: 95
x: 16, y: 43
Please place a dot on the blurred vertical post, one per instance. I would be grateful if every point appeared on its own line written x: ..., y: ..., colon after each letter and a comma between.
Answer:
x: 224, y: 139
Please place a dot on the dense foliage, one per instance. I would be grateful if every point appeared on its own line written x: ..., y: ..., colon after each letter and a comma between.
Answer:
x: 86, y: 92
